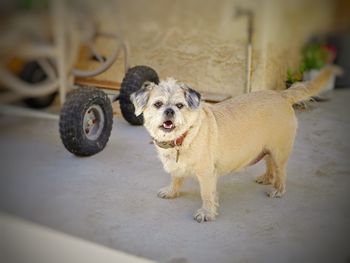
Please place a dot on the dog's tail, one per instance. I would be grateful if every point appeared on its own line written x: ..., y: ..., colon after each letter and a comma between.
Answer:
x: 303, y: 90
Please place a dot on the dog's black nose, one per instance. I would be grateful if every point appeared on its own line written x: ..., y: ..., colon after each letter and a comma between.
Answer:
x: 169, y: 112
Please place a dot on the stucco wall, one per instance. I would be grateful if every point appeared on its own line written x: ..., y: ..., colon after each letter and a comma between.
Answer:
x: 203, y: 44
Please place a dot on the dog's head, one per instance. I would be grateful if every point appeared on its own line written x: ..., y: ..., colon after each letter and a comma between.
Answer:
x: 169, y: 108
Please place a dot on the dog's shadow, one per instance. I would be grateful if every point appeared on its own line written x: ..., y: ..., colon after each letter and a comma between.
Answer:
x: 229, y: 192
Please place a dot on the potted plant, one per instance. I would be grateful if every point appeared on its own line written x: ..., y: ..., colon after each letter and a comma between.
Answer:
x: 315, y: 57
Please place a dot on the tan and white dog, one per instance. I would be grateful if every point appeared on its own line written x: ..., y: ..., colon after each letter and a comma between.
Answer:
x: 197, y: 139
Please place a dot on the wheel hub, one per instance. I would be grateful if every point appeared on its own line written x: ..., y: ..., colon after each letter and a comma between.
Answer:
x: 93, y: 122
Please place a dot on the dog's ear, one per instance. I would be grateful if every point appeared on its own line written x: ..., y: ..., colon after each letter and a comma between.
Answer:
x: 192, y: 97
x: 140, y: 97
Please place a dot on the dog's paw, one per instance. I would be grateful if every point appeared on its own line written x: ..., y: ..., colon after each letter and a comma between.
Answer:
x: 203, y: 215
x: 276, y: 193
x: 263, y: 179
x: 167, y: 193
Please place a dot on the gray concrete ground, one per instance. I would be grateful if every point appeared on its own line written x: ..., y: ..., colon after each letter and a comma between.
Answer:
x: 111, y: 198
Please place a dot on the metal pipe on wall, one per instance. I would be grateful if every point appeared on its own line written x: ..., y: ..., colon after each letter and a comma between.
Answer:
x: 249, y: 48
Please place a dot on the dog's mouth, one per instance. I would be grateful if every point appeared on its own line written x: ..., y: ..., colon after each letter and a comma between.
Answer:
x: 167, y: 126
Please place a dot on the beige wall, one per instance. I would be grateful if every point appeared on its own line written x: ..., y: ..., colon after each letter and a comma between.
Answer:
x: 283, y: 28
x: 201, y: 43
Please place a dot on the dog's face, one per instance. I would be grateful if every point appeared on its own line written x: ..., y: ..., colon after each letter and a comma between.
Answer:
x: 169, y: 108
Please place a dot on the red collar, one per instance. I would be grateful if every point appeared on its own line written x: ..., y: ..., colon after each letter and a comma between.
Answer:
x: 173, y: 143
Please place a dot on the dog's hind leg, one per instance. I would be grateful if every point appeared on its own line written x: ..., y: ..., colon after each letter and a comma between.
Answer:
x: 279, y: 164
x: 173, y: 190
x: 268, y: 176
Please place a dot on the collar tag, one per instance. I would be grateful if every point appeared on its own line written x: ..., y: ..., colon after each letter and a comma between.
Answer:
x: 165, y: 145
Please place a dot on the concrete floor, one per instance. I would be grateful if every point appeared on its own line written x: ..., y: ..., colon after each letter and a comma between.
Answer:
x: 111, y: 198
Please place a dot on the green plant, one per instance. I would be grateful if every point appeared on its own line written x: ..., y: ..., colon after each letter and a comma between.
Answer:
x: 293, y: 77
x: 315, y: 56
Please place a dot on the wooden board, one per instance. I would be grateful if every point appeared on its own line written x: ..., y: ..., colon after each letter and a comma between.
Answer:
x: 99, y: 83
x: 115, y: 86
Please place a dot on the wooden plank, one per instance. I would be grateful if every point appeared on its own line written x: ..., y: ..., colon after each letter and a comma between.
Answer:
x: 114, y: 85
x: 99, y: 83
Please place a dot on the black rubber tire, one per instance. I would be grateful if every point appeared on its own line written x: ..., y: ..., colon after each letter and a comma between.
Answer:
x: 33, y: 73
x: 71, y: 121
x: 132, y: 82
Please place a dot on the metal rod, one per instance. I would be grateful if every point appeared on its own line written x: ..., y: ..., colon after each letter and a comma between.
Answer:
x: 25, y: 112
x: 59, y: 15
x: 249, y: 48
x: 24, y: 88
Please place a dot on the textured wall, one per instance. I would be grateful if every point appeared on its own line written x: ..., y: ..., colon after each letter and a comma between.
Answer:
x: 201, y: 43
x: 282, y: 29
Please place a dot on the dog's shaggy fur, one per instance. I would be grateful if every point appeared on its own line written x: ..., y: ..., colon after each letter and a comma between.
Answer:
x: 205, y: 141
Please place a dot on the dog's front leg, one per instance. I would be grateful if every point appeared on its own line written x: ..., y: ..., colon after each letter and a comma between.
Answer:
x: 209, y: 196
x: 172, y: 190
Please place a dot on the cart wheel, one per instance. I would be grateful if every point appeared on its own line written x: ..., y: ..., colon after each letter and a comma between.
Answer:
x: 86, y: 121
x: 132, y: 82
x: 33, y: 73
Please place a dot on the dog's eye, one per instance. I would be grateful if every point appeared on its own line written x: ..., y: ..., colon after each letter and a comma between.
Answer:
x: 179, y: 105
x: 158, y: 104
